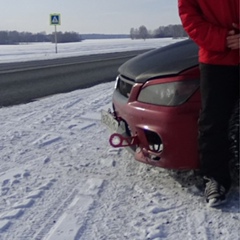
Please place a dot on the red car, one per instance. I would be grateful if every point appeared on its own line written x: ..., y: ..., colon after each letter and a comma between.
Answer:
x: 156, y: 105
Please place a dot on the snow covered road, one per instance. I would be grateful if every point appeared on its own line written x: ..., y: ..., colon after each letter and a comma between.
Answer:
x: 60, y: 180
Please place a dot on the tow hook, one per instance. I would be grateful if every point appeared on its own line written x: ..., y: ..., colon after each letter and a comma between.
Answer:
x: 117, y: 140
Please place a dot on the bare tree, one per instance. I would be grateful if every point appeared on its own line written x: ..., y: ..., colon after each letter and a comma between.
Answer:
x: 132, y: 33
x: 143, y: 32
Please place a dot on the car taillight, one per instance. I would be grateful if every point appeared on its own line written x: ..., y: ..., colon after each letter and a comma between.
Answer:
x: 169, y: 94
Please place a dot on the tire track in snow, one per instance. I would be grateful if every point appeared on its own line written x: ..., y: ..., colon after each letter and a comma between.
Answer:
x: 26, y: 232
x: 68, y: 222
x: 122, y: 214
x: 15, y: 211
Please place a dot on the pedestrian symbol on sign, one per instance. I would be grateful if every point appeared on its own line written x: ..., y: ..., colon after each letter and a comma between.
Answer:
x: 55, y: 19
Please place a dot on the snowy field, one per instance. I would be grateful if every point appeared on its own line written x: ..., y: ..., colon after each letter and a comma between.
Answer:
x: 60, y: 180
x: 27, y: 52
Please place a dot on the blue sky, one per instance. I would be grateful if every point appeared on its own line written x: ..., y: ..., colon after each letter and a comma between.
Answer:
x: 87, y: 16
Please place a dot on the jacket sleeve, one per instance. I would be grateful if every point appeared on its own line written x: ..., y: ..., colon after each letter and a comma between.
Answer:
x: 205, y: 34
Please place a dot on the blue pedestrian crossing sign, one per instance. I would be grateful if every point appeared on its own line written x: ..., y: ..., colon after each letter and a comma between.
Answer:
x: 55, y: 19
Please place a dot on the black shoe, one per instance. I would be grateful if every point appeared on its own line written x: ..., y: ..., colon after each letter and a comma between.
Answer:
x: 215, y: 193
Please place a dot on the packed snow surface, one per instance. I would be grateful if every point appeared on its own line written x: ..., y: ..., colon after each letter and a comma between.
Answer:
x: 61, y: 180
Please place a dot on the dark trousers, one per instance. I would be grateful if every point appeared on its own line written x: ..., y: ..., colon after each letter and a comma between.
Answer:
x: 219, y: 87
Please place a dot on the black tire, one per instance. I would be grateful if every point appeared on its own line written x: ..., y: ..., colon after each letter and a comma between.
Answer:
x: 234, y: 144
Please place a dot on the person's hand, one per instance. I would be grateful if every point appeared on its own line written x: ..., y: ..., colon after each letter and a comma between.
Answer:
x: 236, y: 27
x: 233, y: 39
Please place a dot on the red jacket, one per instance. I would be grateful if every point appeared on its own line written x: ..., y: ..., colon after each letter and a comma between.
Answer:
x: 208, y: 22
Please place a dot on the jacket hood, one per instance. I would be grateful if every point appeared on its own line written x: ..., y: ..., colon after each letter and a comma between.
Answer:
x: 164, y: 61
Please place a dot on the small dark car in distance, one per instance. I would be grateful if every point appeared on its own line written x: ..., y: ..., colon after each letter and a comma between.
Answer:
x: 155, y: 107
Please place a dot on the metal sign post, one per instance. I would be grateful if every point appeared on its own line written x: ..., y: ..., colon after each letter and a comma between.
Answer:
x: 55, y: 20
x: 55, y: 26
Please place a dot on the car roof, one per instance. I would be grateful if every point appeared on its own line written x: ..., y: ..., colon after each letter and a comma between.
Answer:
x: 164, y: 61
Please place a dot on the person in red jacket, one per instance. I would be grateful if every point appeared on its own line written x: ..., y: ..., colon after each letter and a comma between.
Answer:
x: 214, y: 26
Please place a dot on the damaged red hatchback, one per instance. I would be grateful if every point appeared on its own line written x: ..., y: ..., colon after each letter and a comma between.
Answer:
x: 156, y: 104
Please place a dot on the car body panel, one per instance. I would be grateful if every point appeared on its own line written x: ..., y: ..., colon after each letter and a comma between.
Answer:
x: 166, y: 61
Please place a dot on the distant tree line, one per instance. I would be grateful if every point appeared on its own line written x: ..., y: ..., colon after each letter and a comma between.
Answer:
x: 174, y: 31
x: 103, y: 36
x: 14, y: 37
x: 67, y: 37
